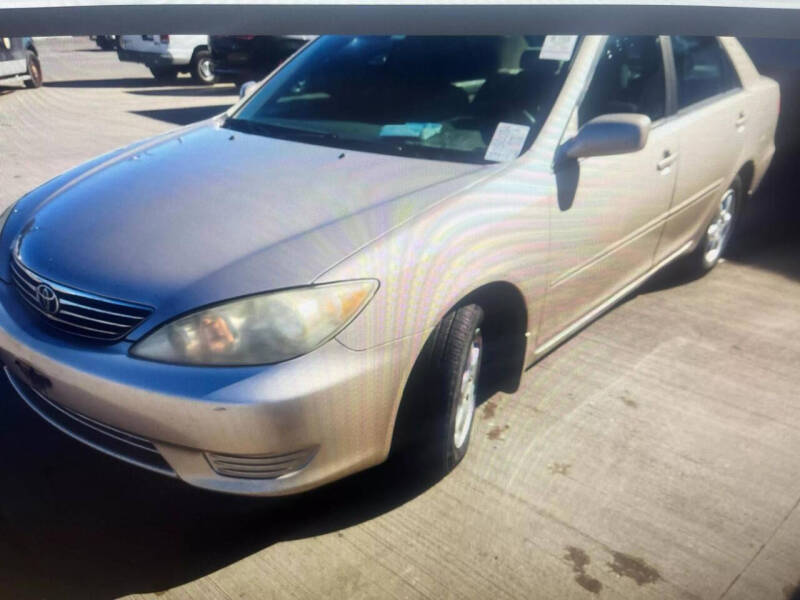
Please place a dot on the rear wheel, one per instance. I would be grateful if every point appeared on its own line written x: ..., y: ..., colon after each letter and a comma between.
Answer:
x: 439, y: 403
x: 164, y: 74
x: 203, y: 68
x: 34, y: 71
x: 719, y: 231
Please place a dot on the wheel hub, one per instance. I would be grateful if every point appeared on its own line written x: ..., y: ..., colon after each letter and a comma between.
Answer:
x: 206, y: 69
x: 719, y: 230
x: 465, y: 409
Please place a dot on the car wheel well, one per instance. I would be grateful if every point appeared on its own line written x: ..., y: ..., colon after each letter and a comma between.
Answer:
x: 196, y: 50
x: 505, y: 322
x: 503, y: 327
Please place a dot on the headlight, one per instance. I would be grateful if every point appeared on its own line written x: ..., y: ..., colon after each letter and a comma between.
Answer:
x: 262, y: 329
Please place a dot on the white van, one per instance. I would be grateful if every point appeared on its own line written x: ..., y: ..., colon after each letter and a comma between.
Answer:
x: 168, y: 55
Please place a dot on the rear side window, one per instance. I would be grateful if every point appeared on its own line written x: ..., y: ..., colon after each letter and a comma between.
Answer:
x: 629, y: 78
x: 702, y: 68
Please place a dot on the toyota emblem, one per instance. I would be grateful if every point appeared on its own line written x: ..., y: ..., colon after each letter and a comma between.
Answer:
x: 46, y: 299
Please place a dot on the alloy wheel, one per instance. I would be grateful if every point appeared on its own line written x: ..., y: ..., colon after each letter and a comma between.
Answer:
x: 719, y: 230
x: 465, y: 410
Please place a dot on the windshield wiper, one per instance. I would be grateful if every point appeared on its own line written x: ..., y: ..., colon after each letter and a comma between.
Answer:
x: 269, y: 129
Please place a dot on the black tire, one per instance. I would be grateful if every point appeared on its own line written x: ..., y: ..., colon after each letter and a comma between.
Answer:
x: 203, y: 68
x: 702, y: 259
x: 426, y: 426
x: 34, y: 71
x: 164, y: 74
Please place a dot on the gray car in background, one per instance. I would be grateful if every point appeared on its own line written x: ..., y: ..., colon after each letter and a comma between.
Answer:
x: 382, y: 232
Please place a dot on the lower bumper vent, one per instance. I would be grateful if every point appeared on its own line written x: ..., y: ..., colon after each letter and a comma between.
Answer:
x: 268, y: 466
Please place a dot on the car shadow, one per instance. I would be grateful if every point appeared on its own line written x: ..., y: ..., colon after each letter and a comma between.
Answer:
x: 183, y: 116
x: 77, y: 524
x: 768, y: 236
x: 120, y: 82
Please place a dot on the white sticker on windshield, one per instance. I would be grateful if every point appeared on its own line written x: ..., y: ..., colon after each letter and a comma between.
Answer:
x: 507, y: 142
x: 558, y: 47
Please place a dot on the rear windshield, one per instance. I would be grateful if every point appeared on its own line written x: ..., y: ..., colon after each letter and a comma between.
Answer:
x: 431, y: 97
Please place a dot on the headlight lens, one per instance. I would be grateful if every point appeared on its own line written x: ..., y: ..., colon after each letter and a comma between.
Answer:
x: 261, y: 329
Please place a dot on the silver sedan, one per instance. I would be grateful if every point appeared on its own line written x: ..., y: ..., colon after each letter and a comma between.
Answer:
x: 381, y: 233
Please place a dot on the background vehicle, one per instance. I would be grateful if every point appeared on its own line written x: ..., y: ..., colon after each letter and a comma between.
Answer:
x: 243, y: 57
x: 19, y: 61
x: 106, y: 42
x: 168, y: 55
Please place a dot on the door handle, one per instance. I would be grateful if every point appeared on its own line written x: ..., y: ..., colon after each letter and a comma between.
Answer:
x: 741, y: 120
x: 667, y: 161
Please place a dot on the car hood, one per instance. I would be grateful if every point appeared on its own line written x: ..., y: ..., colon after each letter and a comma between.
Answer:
x: 207, y: 214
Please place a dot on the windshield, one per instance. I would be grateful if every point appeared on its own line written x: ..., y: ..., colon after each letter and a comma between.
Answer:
x: 444, y: 98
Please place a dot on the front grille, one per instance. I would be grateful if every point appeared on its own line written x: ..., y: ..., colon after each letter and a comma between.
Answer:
x: 77, y: 312
x: 110, y: 440
x: 270, y: 466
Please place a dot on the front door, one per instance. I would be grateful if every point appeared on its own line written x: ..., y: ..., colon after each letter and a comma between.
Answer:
x: 608, y: 217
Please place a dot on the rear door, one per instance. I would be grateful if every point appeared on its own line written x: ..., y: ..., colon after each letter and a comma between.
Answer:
x: 712, y: 117
x: 610, y: 210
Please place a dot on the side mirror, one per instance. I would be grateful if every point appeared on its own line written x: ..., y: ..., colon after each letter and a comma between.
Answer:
x: 618, y: 133
x: 246, y: 89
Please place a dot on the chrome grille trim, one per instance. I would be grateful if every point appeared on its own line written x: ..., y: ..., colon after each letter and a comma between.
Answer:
x: 270, y: 466
x: 80, y: 313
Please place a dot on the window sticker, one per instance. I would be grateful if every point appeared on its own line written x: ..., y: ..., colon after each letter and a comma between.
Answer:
x: 422, y: 131
x: 507, y: 142
x: 558, y: 47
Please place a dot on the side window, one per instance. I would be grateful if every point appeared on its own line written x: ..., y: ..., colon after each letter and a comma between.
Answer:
x: 629, y: 78
x: 702, y: 69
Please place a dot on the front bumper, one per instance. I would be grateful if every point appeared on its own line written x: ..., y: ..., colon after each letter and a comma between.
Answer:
x: 332, y: 411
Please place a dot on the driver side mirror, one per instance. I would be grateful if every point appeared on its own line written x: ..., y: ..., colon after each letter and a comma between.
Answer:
x: 246, y: 89
x: 617, y: 133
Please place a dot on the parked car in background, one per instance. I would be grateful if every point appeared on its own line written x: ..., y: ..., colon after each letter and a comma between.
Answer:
x: 168, y: 55
x: 19, y: 62
x: 106, y: 42
x: 386, y: 228
x: 243, y: 57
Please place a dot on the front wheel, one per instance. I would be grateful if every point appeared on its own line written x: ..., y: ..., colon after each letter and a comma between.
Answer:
x: 442, y: 392
x: 34, y: 71
x: 719, y: 231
